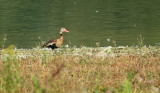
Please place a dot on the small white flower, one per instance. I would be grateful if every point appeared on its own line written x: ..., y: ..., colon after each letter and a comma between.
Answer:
x: 108, y: 39
x: 66, y: 46
x: 98, y: 44
x: 96, y: 11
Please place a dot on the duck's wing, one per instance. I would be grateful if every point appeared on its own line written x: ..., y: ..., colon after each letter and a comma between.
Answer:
x: 51, y: 42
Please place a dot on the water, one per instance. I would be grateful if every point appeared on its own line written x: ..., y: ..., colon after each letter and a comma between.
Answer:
x: 27, y: 22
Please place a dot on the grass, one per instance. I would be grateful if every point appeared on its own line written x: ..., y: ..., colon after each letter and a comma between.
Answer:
x: 80, y: 70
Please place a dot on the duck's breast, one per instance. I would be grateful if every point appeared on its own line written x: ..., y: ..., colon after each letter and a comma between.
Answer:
x: 59, y: 42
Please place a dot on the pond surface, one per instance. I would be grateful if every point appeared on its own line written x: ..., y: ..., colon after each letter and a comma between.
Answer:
x: 27, y: 22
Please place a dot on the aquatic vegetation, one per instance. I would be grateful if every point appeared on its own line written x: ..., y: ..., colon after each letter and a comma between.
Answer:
x: 85, y: 70
x: 4, y: 40
x: 140, y: 40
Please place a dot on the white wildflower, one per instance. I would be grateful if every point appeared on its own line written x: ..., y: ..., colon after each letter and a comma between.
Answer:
x: 108, y: 39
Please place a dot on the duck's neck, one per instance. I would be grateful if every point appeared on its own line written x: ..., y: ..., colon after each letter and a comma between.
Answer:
x: 61, y: 36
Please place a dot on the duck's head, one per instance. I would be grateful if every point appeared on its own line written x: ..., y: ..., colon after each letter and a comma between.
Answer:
x: 63, y: 30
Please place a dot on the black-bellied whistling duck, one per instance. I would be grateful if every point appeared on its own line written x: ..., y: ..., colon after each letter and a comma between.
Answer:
x: 56, y: 43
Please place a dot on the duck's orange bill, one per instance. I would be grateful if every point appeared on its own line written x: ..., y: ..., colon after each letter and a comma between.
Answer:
x: 66, y: 31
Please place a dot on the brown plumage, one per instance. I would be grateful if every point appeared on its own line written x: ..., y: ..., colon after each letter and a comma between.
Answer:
x: 56, y: 43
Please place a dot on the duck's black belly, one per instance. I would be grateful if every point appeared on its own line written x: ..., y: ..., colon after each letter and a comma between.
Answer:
x: 52, y: 46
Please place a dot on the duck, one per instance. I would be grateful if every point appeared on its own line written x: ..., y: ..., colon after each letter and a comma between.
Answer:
x: 56, y: 43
